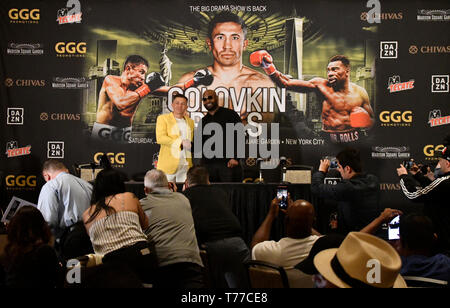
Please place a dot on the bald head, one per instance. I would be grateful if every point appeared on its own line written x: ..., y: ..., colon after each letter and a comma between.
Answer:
x: 299, y: 219
x: 210, y: 101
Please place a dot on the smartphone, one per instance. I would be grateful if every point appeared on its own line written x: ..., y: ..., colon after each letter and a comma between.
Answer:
x: 282, y: 195
x: 333, y: 162
x: 394, y: 228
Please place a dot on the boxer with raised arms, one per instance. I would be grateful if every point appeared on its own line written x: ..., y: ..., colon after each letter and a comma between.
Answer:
x: 346, y: 105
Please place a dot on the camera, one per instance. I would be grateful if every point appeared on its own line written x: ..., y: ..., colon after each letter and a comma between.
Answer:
x: 333, y: 161
x: 282, y: 195
x: 408, y: 164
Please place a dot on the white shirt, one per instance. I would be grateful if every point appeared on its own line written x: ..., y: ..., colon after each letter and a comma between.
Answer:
x: 287, y: 252
x: 182, y: 126
x: 63, y: 200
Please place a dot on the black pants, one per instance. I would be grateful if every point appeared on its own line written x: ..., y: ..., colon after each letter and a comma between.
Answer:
x: 183, y: 275
x: 140, y: 258
x: 219, y: 172
x: 75, y: 242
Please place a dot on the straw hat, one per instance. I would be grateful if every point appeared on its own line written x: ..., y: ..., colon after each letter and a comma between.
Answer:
x: 362, y: 261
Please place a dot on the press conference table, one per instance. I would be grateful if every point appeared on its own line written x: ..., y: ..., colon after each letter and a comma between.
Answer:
x: 250, y: 203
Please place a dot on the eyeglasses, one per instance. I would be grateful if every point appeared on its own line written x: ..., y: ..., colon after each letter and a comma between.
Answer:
x: 207, y: 98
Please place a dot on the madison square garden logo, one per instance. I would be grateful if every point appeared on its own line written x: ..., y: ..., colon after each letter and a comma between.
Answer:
x: 25, y: 49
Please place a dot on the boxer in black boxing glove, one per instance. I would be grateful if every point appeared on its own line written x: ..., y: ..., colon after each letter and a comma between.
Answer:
x: 119, y: 98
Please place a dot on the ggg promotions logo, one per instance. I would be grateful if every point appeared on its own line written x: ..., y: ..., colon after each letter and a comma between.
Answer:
x: 24, y: 16
x: 14, y: 116
x: 116, y: 159
x: 20, y: 182
x: 13, y: 150
x: 396, y: 118
x: 395, y: 85
x: 435, y: 119
x: 439, y: 84
x: 389, y: 50
x: 70, y: 49
x: 69, y: 14
x: 432, y: 151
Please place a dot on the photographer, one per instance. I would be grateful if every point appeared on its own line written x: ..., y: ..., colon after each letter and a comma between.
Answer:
x: 358, y: 194
x: 434, y: 195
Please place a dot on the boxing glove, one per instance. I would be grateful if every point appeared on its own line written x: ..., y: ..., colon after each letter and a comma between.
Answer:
x: 152, y: 82
x: 359, y: 117
x: 201, y: 77
x: 262, y: 58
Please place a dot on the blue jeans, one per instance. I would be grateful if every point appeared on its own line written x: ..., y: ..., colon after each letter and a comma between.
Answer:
x: 226, y: 261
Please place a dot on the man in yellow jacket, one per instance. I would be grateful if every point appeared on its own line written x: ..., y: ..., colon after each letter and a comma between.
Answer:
x: 174, y: 132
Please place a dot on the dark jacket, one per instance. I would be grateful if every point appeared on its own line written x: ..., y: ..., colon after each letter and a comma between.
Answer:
x: 436, y: 198
x: 213, y: 217
x: 358, y: 199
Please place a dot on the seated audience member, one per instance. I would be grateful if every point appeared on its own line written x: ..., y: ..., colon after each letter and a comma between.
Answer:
x: 434, y: 194
x: 62, y: 201
x: 358, y: 194
x: 29, y: 260
x: 171, y: 229
x: 115, y: 222
x: 361, y: 261
x: 299, y: 239
x: 420, y: 267
x: 332, y: 240
x: 218, y: 229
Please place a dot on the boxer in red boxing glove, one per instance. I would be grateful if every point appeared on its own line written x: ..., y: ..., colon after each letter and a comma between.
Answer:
x: 345, y: 106
x: 119, y: 98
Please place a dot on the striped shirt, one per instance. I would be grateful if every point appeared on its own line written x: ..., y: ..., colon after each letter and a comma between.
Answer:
x: 121, y: 229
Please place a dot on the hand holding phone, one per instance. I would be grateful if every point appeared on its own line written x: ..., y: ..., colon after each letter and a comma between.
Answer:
x: 282, y: 196
x: 394, y: 228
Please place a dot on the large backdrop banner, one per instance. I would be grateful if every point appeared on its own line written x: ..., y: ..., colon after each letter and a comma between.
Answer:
x: 63, y: 62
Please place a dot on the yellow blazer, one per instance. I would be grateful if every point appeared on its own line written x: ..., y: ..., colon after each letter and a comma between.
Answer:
x: 169, y: 137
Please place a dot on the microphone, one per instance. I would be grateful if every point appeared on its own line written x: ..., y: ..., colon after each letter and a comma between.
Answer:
x: 258, y: 164
x: 283, y: 163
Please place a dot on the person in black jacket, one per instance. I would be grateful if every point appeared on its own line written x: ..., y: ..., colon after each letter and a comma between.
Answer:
x: 358, y: 194
x: 222, y: 166
x: 217, y: 229
x: 434, y: 194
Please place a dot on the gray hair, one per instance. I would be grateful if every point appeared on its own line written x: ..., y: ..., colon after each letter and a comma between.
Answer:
x: 155, y: 178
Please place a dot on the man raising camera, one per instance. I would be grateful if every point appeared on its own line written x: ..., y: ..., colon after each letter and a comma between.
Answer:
x: 434, y: 194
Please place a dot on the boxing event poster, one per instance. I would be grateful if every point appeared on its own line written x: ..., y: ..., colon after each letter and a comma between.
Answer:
x: 390, y: 100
